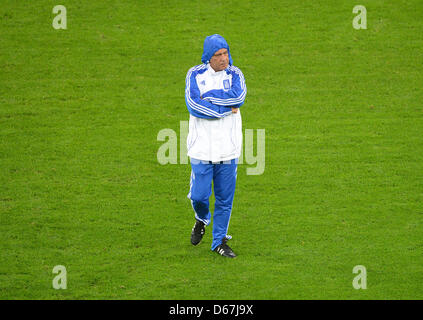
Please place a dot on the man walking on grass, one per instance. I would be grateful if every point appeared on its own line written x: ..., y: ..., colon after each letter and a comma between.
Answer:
x: 214, y: 91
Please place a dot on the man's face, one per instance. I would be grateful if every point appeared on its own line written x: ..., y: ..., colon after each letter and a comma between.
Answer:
x: 220, y: 60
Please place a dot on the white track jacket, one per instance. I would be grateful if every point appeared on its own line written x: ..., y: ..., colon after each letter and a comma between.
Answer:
x: 215, y: 133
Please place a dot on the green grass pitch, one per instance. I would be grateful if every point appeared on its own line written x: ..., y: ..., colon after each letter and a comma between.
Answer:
x: 80, y: 184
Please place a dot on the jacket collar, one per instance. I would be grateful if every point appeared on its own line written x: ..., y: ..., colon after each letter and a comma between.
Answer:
x: 215, y: 73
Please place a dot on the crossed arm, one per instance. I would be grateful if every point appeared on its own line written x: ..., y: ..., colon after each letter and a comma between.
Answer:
x: 215, y: 103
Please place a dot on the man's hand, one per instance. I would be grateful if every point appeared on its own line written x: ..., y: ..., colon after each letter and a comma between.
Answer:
x: 234, y: 110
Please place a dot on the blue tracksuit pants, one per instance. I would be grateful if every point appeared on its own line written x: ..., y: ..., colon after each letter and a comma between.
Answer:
x: 223, y: 174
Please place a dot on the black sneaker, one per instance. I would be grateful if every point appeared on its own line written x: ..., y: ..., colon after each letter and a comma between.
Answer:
x: 225, y: 250
x: 197, y: 233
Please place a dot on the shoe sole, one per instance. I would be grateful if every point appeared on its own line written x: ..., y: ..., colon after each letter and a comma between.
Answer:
x: 226, y: 256
x: 195, y: 244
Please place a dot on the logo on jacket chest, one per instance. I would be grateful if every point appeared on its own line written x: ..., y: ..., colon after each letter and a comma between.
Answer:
x: 226, y: 84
